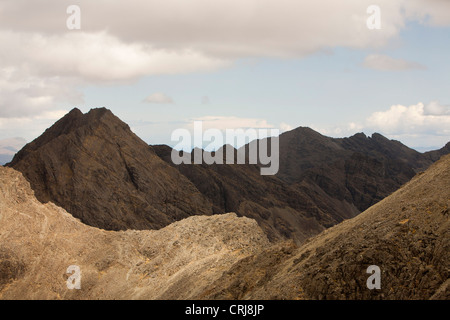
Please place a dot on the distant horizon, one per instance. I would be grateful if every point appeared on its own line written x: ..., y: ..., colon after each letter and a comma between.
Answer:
x: 5, y: 158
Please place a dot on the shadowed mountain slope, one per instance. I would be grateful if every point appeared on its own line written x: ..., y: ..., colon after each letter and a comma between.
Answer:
x: 98, y: 170
x: 325, y: 178
x: 348, y: 174
x: 93, y: 166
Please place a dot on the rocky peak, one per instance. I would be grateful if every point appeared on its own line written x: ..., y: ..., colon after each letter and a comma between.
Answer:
x: 96, y: 168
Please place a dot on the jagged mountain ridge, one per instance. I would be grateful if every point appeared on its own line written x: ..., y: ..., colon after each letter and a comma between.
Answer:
x: 349, y: 174
x: 333, y: 179
x: 93, y: 166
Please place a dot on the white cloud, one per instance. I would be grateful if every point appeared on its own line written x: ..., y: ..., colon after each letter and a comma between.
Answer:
x: 285, y: 127
x: 158, y: 98
x: 429, y: 12
x: 412, y: 119
x: 30, y: 126
x: 436, y: 109
x: 386, y: 63
x: 23, y: 94
x: 416, y: 125
x: 97, y: 57
x: 230, y: 28
x: 121, y: 43
x: 40, y: 73
x: 231, y: 122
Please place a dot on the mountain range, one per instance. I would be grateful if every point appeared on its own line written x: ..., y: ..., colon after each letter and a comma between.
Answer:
x: 223, y: 256
x: 97, y: 169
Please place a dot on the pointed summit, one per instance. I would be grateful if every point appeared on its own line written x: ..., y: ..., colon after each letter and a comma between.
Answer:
x: 70, y: 123
x: 97, y: 169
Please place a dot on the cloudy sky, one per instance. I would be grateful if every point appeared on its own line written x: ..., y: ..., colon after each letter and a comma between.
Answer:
x: 159, y: 65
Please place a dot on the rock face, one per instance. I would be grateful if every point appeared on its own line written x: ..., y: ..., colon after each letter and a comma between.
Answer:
x: 97, y: 169
x: 407, y: 235
x: 38, y: 242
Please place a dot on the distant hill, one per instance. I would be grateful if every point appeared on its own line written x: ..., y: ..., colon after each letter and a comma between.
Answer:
x: 9, y: 147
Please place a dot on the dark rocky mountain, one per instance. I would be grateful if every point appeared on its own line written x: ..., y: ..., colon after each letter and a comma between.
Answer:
x: 331, y: 179
x: 437, y: 154
x: 341, y: 177
x: 93, y: 166
x: 348, y: 174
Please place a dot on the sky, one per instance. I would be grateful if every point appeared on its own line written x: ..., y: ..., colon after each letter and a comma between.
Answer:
x: 338, y: 67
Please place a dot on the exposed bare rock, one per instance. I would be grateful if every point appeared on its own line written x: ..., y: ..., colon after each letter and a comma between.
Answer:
x: 38, y: 242
x: 407, y: 235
